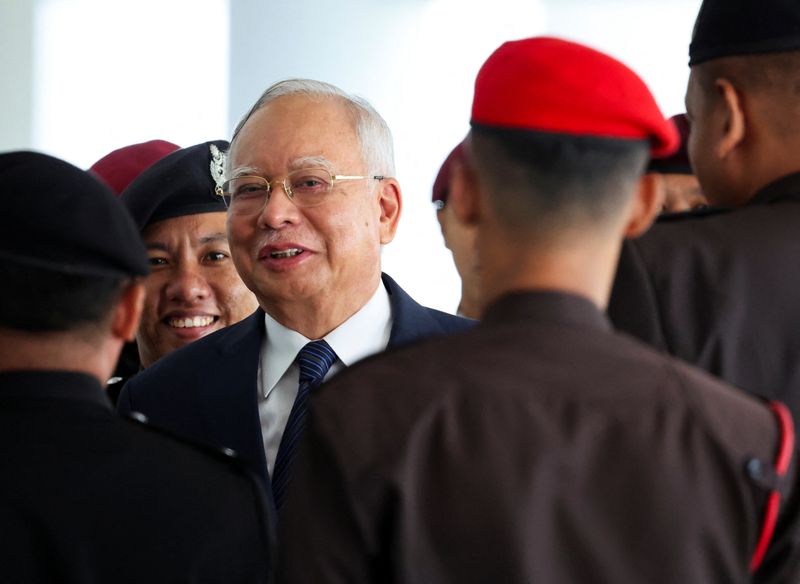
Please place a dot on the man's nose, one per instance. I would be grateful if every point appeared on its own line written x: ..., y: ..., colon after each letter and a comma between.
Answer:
x: 188, y: 285
x: 279, y: 209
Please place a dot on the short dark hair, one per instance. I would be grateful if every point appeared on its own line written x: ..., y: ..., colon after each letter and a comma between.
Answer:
x: 35, y: 299
x: 775, y: 72
x: 540, y: 181
x: 773, y: 75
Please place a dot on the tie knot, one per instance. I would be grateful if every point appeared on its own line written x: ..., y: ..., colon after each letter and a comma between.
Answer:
x: 314, y: 360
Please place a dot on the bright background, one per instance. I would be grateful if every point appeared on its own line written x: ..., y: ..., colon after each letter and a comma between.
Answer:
x: 83, y: 77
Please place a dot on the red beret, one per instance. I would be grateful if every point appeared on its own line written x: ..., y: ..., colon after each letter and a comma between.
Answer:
x: 552, y: 85
x: 441, y: 186
x: 118, y: 168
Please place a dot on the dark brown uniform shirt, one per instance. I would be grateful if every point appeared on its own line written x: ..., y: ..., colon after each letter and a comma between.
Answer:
x: 538, y: 447
x: 721, y: 290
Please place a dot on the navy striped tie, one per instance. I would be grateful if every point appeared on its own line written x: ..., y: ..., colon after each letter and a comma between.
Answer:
x: 314, y: 360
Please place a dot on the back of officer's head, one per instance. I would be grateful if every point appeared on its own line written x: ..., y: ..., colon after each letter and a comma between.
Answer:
x: 67, y: 247
x: 561, y: 134
x: 545, y: 183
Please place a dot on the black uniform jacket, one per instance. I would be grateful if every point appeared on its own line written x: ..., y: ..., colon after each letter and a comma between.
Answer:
x: 721, y: 289
x: 208, y: 390
x: 538, y: 447
x: 88, y: 497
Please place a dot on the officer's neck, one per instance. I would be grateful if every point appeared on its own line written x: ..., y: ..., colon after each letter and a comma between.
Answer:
x: 61, y: 351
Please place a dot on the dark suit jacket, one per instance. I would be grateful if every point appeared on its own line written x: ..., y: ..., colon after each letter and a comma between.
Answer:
x: 538, y: 447
x: 88, y: 497
x: 207, y: 391
x: 721, y: 290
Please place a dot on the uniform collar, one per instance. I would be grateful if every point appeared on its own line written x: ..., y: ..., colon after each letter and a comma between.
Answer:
x: 784, y: 188
x: 544, y: 307
x: 53, y: 385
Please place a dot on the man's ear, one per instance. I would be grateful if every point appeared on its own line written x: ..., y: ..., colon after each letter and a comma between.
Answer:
x: 128, y: 312
x: 463, y: 194
x: 390, y: 201
x: 646, y: 205
x: 734, y: 118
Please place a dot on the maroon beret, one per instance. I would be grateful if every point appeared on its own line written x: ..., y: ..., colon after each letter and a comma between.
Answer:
x: 118, y: 168
x: 441, y: 186
x: 678, y: 163
x: 551, y: 85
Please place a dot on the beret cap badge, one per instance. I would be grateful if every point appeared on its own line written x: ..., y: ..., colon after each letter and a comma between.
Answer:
x: 217, y: 166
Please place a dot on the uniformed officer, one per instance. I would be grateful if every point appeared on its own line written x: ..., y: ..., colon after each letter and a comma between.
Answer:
x: 541, y: 446
x: 193, y: 288
x: 719, y: 289
x: 86, y: 496
x: 117, y: 169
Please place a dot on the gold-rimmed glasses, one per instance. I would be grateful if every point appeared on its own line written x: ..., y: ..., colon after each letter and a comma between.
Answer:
x: 306, y: 187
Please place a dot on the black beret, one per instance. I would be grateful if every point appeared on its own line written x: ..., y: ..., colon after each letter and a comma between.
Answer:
x: 727, y: 28
x: 181, y: 183
x: 62, y: 218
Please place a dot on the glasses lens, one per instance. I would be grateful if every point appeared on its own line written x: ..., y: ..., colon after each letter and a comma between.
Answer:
x: 246, y: 193
x: 309, y: 186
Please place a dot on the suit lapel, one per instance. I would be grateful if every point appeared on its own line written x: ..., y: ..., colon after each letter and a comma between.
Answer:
x: 232, y: 408
x: 411, y: 320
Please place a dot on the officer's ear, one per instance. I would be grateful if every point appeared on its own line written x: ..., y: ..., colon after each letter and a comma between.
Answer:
x: 128, y: 312
x: 734, y: 118
x: 463, y: 196
x: 646, y: 205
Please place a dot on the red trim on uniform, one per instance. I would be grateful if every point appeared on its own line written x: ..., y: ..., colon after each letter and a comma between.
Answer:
x: 782, y: 461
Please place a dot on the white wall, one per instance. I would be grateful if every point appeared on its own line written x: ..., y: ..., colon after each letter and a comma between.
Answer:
x: 16, y: 72
x: 112, y: 73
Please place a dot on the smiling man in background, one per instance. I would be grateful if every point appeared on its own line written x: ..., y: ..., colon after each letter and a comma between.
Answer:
x: 193, y: 288
x: 312, y: 199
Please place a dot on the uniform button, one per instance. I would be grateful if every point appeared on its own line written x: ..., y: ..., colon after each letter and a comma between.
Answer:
x: 139, y: 417
x: 755, y: 468
x: 229, y: 452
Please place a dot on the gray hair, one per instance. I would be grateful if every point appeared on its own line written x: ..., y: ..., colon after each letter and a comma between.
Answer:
x: 373, y: 133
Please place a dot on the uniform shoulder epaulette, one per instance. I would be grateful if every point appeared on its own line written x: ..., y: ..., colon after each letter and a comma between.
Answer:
x: 226, y: 455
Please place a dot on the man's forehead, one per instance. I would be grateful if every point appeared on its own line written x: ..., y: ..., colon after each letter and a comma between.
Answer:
x: 287, y: 135
x: 298, y: 163
x: 198, y: 227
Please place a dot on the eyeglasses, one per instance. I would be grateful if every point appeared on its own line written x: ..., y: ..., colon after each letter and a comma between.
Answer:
x: 306, y: 187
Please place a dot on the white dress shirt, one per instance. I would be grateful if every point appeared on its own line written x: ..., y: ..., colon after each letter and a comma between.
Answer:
x: 363, y: 334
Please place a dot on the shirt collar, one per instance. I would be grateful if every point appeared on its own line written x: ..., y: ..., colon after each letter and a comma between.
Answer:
x: 363, y: 334
x: 53, y: 385
x: 784, y: 188
x: 547, y: 307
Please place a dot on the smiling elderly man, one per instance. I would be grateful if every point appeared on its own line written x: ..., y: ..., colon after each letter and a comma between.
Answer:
x: 311, y: 201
